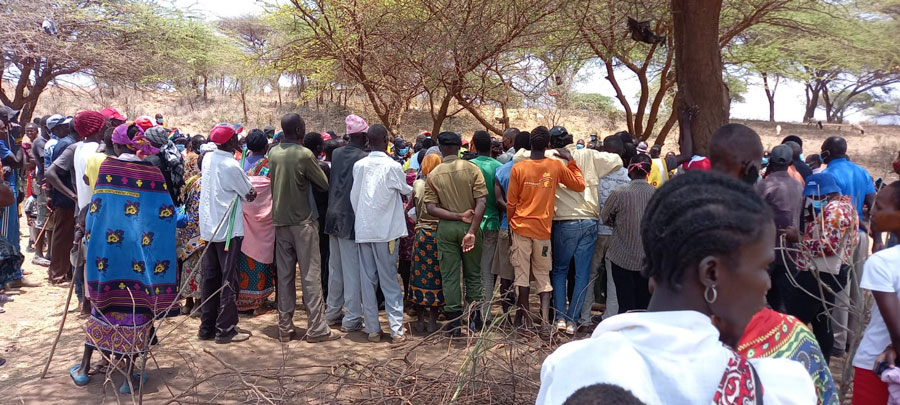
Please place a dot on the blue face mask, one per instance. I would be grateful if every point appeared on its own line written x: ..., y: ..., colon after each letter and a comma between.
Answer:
x: 765, y: 161
x: 579, y: 146
x: 403, y: 151
x: 817, y: 205
x: 159, y: 121
x: 179, y: 147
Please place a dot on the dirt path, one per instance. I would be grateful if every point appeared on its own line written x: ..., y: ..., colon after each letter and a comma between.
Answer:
x: 28, y: 328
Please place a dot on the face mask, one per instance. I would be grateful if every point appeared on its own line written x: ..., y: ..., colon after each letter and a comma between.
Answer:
x: 802, y: 158
x: 817, y: 205
x: 752, y: 175
x: 159, y: 121
x: 579, y: 146
x: 179, y: 147
x: 765, y: 161
x: 402, y: 151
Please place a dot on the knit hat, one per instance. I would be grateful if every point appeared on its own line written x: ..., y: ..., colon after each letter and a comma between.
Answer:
x: 356, y: 124
x: 158, y: 136
x: 88, y: 123
x: 221, y: 134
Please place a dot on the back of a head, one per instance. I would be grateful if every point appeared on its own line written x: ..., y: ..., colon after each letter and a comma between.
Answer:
x: 523, y: 141
x: 796, y: 149
x: 793, y: 138
x: 625, y: 137
x: 293, y: 126
x: 613, y: 144
x: 313, y: 141
x: 510, y: 134
x: 559, y: 137
x: 196, y: 142
x: 330, y: 146
x: 835, y: 146
x: 540, y: 138
x: 482, y: 142
x: 377, y: 135
x: 695, y: 215
x: 655, y: 151
x: 602, y: 394
x: 257, y: 141
x: 639, y: 166
x: 734, y: 144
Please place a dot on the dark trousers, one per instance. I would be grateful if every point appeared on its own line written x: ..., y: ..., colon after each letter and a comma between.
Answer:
x: 812, y: 310
x: 325, y: 256
x: 632, y: 289
x: 219, y: 314
x: 63, y: 234
x: 782, y: 289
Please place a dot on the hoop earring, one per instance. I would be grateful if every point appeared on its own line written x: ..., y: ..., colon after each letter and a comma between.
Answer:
x: 715, y: 294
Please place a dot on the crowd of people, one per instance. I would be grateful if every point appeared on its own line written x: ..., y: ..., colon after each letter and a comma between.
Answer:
x: 723, y: 271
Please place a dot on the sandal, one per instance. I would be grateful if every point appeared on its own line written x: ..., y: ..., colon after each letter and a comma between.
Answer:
x: 80, y: 381
x: 137, y: 379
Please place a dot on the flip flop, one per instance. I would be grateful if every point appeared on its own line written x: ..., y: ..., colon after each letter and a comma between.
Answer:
x: 125, y: 389
x: 80, y: 381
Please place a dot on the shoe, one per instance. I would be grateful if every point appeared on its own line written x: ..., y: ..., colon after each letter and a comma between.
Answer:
x: 346, y: 329
x: 137, y: 379
x: 40, y: 261
x: 397, y: 339
x: 335, y: 323
x: 375, y: 337
x: 324, y: 338
x: 287, y: 337
x: 571, y: 328
x: 201, y: 336
x: 561, y: 324
x: 239, y: 336
x: 80, y: 381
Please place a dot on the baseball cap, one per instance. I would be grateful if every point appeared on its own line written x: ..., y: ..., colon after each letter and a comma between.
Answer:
x: 221, y: 133
x: 112, y: 114
x: 55, y: 120
x: 819, y: 184
x: 781, y: 155
x: 449, y: 139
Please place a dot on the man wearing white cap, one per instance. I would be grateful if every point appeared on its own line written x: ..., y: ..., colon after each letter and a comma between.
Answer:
x: 343, y: 264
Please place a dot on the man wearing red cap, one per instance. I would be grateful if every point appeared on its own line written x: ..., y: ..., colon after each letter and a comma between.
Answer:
x: 61, y: 176
x: 224, y: 183
x: 112, y: 115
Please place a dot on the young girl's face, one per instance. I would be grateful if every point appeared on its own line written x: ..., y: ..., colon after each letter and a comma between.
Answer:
x: 885, y: 214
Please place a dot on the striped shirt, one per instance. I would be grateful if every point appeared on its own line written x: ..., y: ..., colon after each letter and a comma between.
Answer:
x: 623, y: 211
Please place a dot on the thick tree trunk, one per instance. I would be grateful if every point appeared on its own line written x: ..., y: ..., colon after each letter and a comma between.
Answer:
x: 698, y: 67
x: 812, y: 101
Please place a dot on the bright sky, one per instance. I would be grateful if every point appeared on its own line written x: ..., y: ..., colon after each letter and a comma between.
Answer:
x: 789, y: 99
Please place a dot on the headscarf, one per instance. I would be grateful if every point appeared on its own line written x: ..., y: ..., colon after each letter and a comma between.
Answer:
x: 88, y: 123
x: 159, y: 137
x: 139, y: 144
x: 429, y: 163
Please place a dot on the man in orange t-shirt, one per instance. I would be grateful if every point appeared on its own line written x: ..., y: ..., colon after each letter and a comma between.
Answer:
x: 530, y: 201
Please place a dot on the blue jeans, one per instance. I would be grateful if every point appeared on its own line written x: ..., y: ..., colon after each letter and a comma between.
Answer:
x: 574, y: 238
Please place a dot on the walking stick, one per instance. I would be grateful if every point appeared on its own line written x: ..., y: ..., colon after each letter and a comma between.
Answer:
x: 62, y: 323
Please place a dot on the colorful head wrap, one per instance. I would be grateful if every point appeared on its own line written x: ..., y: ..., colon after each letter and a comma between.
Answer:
x: 139, y: 144
x: 88, y: 123
x: 430, y: 162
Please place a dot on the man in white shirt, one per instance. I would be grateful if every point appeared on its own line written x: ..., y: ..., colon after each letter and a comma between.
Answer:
x: 378, y: 183
x: 224, y: 182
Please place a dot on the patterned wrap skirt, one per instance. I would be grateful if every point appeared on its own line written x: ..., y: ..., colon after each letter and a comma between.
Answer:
x: 257, y: 283
x: 425, y: 278
x: 191, y: 276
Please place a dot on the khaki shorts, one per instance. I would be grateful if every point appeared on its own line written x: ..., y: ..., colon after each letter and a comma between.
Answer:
x: 531, y: 258
x: 502, y: 267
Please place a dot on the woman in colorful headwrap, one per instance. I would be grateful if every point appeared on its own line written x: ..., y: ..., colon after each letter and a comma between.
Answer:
x: 130, y: 261
x: 189, y: 243
x: 425, y: 281
x: 168, y: 160
x: 771, y: 334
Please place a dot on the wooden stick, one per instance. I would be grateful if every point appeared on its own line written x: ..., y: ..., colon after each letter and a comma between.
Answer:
x: 59, y: 332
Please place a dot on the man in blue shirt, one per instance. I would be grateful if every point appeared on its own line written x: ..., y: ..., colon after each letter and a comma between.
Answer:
x: 502, y: 268
x: 854, y: 181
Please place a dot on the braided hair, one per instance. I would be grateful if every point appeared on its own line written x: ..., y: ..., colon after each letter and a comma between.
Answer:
x: 696, y: 215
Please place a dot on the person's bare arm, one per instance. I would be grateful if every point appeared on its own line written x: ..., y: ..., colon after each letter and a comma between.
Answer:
x: 441, y: 213
x: 685, y: 136
x: 54, y: 180
x: 498, y: 193
x: 468, y: 242
x: 889, y: 306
